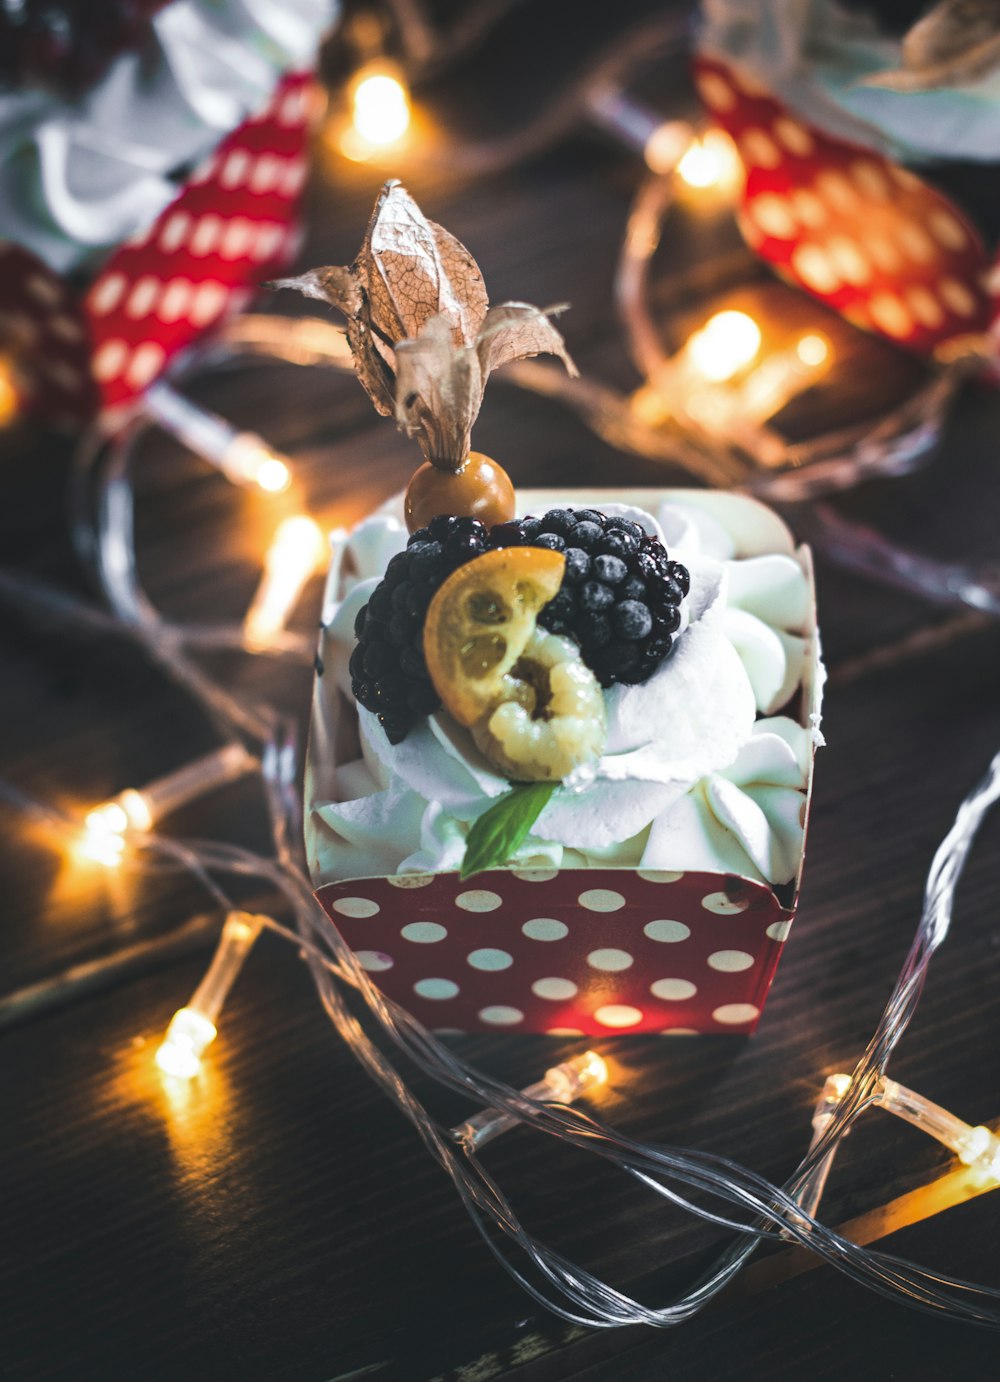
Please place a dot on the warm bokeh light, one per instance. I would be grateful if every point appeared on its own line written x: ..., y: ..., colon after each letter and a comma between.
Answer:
x: 665, y: 147
x: 711, y: 162
x: 187, y: 1037
x: 299, y: 549
x: 99, y: 844
x: 980, y: 1151
x: 379, y: 113
x: 813, y: 349
x: 593, y: 1069
x: 193, y: 1028
x: 250, y: 461
x: 836, y: 1087
x: 563, y: 1084
x: 10, y: 404
x: 273, y: 476
x: 725, y: 345
x: 649, y: 406
x: 571, y: 1078
x: 105, y: 827
x: 381, y: 109
x: 103, y: 838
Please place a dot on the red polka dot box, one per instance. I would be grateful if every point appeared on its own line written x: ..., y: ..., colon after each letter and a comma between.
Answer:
x: 568, y: 951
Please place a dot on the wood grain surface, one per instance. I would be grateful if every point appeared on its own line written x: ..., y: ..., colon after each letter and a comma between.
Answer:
x: 282, y: 1221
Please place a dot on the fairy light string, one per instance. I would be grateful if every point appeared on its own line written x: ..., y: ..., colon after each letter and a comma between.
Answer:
x: 710, y: 1187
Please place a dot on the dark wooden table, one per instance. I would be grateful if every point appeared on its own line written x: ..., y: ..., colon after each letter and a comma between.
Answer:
x: 282, y: 1222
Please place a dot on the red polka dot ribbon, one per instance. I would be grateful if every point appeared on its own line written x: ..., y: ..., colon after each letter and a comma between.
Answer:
x: 233, y: 225
x: 594, y: 952
x: 863, y: 235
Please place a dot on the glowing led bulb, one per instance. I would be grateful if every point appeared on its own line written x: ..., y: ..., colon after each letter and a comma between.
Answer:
x: 10, y: 403
x: 186, y: 1038
x: 711, y: 161
x: 725, y: 345
x: 813, y: 350
x: 835, y: 1088
x: 979, y: 1149
x: 105, y: 827
x: 666, y: 145
x: 243, y: 457
x: 250, y: 461
x: 562, y: 1084
x: 379, y: 112
x: 380, y: 108
x: 193, y: 1028
x: 299, y: 549
x: 101, y: 842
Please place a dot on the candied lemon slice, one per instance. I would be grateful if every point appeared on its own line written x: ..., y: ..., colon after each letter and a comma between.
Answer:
x: 480, y: 622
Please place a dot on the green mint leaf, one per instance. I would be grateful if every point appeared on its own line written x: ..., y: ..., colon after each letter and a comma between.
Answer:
x: 498, y: 832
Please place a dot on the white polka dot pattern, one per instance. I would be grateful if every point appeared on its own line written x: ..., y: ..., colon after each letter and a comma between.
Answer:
x: 723, y: 905
x: 501, y: 1015
x: 730, y: 961
x: 610, y: 960
x: 601, y: 900
x: 667, y: 931
x: 554, y: 989
x: 176, y: 299
x: 734, y: 1014
x: 795, y: 137
x: 545, y: 929
x: 438, y: 990
x: 618, y: 1015
x: 144, y: 364
x: 620, y: 967
x: 673, y: 990
x: 423, y: 932
x: 490, y: 959
x: 356, y: 907
x: 411, y: 880
x: 759, y: 148
x: 108, y: 294
x: 109, y: 359
x: 478, y: 900
x: 374, y: 961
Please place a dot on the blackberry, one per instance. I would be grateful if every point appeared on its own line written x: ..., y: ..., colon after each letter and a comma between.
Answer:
x: 388, y: 672
x: 620, y: 594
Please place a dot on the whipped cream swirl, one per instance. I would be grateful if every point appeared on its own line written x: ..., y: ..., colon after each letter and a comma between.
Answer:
x: 698, y: 771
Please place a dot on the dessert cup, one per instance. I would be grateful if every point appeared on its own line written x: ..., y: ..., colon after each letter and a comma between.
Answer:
x: 677, y: 934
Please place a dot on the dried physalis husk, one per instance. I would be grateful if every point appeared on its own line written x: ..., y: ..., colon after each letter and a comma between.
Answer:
x: 424, y: 337
x: 957, y: 42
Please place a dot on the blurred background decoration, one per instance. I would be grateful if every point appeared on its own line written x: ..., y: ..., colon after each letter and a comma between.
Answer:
x: 151, y: 166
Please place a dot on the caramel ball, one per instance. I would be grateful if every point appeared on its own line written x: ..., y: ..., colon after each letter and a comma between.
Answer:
x: 478, y: 489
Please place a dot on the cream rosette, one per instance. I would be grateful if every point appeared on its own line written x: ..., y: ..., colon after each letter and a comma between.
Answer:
x: 697, y: 770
